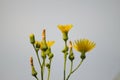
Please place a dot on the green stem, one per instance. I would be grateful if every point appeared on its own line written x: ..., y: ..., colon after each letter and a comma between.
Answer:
x: 37, y: 56
x: 36, y: 77
x: 43, y: 65
x: 39, y: 62
x: 41, y: 73
x: 71, y: 66
x: 42, y: 69
x: 65, y: 59
x: 49, y: 71
x: 74, y: 70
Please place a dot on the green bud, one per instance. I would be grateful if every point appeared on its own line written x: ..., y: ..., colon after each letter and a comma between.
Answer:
x: 48, y: 65
x: 48, y: 51
x: 65, y: 36
x: 71, y: 57
x: 44, y: 46
x: 37, y: 44
x: 43, y: 55
x: 51, y: 55
x: 34, y: 73
x: 32, y: 38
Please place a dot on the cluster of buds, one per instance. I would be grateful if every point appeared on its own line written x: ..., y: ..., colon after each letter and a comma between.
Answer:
x: 44, y: 47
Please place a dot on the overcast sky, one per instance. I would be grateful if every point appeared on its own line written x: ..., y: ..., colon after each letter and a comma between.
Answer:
x: 97, y: 20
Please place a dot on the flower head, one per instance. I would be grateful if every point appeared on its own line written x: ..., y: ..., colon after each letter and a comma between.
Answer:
x: 84, y: 45
x: 50, y: 43
x: 65, y: 28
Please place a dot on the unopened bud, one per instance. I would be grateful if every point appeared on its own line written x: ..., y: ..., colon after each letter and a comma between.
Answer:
x: 71, y: 57
x: 48, y: 65
x: 34, y: 73
x: 37, y: 45
x: 51, y: 55
x: 32, y: 38
x: 43, y: 55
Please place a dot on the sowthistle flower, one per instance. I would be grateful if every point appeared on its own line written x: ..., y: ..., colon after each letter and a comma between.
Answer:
x: 65, y: 29
x: 83, y: 46
x: 50, y: 43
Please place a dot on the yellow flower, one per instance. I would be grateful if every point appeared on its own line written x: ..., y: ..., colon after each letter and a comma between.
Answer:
x: 84, y: 45
x: 65, y: 28
x: 50, y: 43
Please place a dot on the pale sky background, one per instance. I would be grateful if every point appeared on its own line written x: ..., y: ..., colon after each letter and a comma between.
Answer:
x: 97, y: 20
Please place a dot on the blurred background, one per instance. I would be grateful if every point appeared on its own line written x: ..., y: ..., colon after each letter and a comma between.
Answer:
x: 97, y: 20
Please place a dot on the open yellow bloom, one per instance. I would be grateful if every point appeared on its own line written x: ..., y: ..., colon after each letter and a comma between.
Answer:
x: 65, y: 28
x: 84, y: 45
x: 50, y: 43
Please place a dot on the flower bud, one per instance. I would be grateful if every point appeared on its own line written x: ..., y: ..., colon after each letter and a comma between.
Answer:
x: 43, y: 55
x: 34, y: 73
x: 71, y: 57
x: 32, y: 38
x: 37, y: 45
x: 51, y: 55
x: 48, y: 65
x: 48, y: 51
x: 44, y: 46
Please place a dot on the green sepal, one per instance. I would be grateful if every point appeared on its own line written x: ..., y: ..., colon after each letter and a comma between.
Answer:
x: 65, y: 36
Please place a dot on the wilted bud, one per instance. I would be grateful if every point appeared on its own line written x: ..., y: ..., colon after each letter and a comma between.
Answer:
x: 31, y: 60
x: 44, y: 34
x: 32, y: 38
